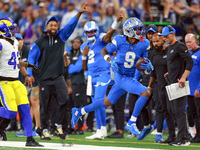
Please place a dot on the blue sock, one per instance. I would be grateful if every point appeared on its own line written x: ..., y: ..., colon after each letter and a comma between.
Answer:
x: 164, y: 125
x: 98, y: 119
x: 4, y: 113
x: 94, y: 106
x: 131, y: 122
x: 26, y: 118
x: 139, y: 105
x: 154, y: 125
x: 102, y: 114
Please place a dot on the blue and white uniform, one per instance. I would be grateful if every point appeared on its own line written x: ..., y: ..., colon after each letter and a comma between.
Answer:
x: 99, y: 70
x: 126, y: 58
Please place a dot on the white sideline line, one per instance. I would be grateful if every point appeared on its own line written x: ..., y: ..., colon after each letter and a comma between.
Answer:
x: 73, y: 147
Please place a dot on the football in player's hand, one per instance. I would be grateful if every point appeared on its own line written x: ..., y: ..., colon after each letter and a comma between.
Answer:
x: 139, y: 62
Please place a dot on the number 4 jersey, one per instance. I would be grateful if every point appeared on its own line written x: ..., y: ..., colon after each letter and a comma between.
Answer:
x: 9, y: 59
x: 127, y: 54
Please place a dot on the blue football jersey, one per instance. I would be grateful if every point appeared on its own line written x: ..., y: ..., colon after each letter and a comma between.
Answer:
x: 127, y: 54
x: 96, y: 63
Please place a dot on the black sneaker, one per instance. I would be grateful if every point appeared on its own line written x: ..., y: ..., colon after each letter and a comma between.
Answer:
x: 12, y: 129
x: 90, y: 130
x: 116, y: 135
x: 33, y: 143
x: 44, y: 135
x: 168, y: 140
x: 188, y: 137
x: 59, y: 132
x: 196, y: 139
x: 166, y: 20
x: 79, y: 132
x: 3, y: 135
x: 180, y: 142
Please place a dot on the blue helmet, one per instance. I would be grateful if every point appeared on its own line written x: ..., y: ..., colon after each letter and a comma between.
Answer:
x: 10, y: 23
x: 133, y: 28
x: 91, y: 26
x: 5, y: 31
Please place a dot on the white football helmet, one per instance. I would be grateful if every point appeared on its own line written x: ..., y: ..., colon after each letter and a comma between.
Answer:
x: 91, y: 26
x: 133, y: 28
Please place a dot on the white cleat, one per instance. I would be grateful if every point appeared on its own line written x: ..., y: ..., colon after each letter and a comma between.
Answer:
x: 192, y: 131
x: 98, y: 135
x: 104, y: 130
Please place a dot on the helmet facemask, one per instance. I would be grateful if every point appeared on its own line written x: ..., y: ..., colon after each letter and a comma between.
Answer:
x: 134, y: 28
x: 91, y: 30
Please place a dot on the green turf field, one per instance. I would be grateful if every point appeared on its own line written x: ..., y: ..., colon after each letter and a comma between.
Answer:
x: 148, y: 142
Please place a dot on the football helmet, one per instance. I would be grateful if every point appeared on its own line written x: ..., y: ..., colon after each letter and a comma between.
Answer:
x: 88, y: 28
x: 133, y: 28
x: 10, y: 23
x: 5, y: 31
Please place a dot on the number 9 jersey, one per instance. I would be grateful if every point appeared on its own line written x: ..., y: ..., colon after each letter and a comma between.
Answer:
x: 9, y: 59
x: 127, y: 54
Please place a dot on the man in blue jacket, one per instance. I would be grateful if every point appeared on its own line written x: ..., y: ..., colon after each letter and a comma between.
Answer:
x: 194, y: 80
x: 47, y: 51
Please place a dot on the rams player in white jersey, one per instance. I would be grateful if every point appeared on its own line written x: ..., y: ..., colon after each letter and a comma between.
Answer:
x: 13, y: 94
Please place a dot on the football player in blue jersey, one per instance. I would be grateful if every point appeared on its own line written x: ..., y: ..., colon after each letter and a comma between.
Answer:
x: 129, y: 47
x: 98, y: 70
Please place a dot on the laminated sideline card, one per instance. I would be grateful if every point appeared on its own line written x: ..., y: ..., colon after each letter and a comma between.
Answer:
x: 174, y: 91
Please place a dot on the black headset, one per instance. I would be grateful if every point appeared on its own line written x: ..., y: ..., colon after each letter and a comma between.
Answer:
x: 170, y: 28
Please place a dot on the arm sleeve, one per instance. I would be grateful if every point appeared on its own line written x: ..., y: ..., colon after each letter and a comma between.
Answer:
x: 145, y: 53
x: 33, y: 57
x: 112, y: 47
x: 68, y: 29
x: 184, y: 53
x: 77, y: 67
x: 101, y: 36
x: 137, y: 75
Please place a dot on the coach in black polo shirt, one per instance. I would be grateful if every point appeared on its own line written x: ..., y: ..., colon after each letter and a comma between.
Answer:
x: 159, y: 61
x: 179, y: 65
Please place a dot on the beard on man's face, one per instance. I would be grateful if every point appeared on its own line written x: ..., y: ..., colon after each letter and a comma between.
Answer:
x: 158, y: 48
x: 51, y: 33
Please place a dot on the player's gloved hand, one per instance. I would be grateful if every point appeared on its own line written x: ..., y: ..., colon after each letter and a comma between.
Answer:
x: 114, y: 66
x: 147, y: 65
x: 33, y: 67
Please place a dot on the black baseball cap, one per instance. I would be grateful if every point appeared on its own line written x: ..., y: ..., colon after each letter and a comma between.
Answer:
x: 152, y: 27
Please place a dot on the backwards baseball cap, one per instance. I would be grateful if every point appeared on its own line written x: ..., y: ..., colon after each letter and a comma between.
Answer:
x: 53, y: 18
x: 167, y: 30
x: 152, y: 27
x: 18, y: 36
x: 195, y: 2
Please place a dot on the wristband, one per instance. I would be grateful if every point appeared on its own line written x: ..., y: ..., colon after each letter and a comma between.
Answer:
x: 149, y: 87
x: 84, y: 57
x: 115, y: 25
x: 26, y: 75
x: 106, y: 57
